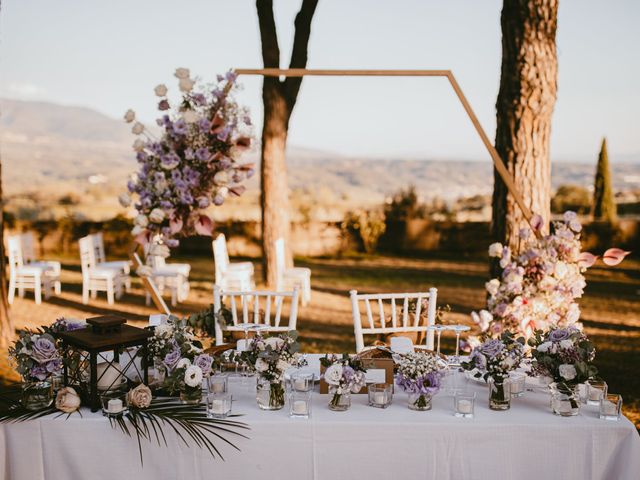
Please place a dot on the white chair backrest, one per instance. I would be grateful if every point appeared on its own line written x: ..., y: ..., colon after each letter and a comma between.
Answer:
x: 28, y: 249
x: 15, y: 253
x: 87, y: 254
x: 280, y: 256
x: 220, y: 256
x: 383, y: 317
x: 258, y: 307
x: 98, y: 245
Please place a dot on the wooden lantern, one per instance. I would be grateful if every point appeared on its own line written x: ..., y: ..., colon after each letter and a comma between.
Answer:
x: 82, y: 349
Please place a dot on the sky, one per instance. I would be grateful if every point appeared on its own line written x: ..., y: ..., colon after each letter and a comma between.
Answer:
x: 109, y: 56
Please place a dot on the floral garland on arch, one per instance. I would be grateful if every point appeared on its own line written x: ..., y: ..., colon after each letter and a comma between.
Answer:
x: 195, y: 162
x: 538, y: 287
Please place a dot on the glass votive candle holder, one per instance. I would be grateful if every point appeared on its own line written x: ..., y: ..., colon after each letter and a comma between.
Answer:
x: 380, y: 395
x: 114, y: 403
x: 463, y: 404
x: 299, y: 404
x: 517, y: 380
x: 610, y: 406
x: 218, y: 383
x: 596, y: 391
x: 218, y: 405
x: 302, y: 381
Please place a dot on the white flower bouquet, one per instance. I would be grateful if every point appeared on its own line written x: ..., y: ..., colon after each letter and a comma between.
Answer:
x: 344, y: 375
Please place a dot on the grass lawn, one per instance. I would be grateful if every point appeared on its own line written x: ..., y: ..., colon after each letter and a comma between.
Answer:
x: 610, y: 307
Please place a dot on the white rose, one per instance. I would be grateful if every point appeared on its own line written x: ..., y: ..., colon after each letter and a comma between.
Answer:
x: 544, y: 347
x: 568, y: 372
x: 67, y: 400
x: 190, y: 116
x: 184, y: 363
x: 560, y: 270
x: 157, y: 215
x: 193, y: 376
x: 566, y: 344
x: 261, y: 365
x: 161, y: 90
x: 124, y: 199
x: 182, y: 73
x: 141, y: 220
x: 137, y: 128
x: 333, y: 374
x: 495, y: 250
x: 274, y: 342
x: 186, y: 85
x: 223, y: 191
x: 138, y: 145
x: 129, y: 116
x: 492, y: 286
x: 282, y: 365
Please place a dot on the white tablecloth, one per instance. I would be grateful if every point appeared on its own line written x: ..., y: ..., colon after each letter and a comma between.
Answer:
x: 526, y: 442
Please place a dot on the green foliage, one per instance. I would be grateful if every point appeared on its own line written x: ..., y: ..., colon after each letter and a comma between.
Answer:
x: 367, y: 226
x: 571, y: 197
x: 604, y: 206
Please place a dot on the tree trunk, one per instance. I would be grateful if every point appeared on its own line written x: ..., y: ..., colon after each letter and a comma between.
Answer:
x: 279, y: 98
x: 275, y: 191
x: 528, y: 84
x: 7, y: 330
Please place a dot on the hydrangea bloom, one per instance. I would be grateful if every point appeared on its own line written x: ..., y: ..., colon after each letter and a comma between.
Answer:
x: 193, y: 165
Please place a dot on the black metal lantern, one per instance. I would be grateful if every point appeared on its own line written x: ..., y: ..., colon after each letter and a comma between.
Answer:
x: 82, y: 349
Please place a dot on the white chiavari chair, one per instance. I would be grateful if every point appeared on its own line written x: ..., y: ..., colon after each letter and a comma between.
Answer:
x: 172, y: 276
x: 263, y: 308
x: 237, y: 276
x: 124, y: 266
x: 98, y: 278
x: 387, y: 313
x: 287, y: 278
x: 52, y: 268
x: 23, y: 276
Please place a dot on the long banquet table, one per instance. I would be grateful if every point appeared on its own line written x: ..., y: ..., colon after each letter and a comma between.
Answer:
x: 526, y: 442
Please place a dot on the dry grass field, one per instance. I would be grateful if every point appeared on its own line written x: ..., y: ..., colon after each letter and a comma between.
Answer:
x: 611, y: 305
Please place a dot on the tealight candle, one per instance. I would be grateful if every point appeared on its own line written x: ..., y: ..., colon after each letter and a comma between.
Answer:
x: 218, y: 405
x: 465, y: 406
x: 609, y: 408
x: 380, y: 395
x: 299, y: 404
x: 300, y: 407
x: 115, y: 405
x: 379, y: 398
x: 300, y: 384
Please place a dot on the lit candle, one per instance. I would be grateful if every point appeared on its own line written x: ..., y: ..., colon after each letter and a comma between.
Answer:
x: 609, y: 408
x: 217, y: 387
x: 465, y: 406
x: 379, y: 398
x: 218, y: 407
x: 300, y: 384
x: 595, y: 394
x: 115, y: 405
x: 300, y: 408
x: 108, y: 376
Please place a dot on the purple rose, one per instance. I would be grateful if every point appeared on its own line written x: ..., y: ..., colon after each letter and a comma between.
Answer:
x: 479, y: 360
x: 205, y: 362
x: 54, y: 366
x: 44, y: 350
x: 39, y: 372
x: 558, y: 335
x: 172, y: 358
x: 491, y: 348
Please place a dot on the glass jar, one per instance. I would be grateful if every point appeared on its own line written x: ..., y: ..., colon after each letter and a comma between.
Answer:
x: 499, y: 394
x: 339, y: 402
x: 419, y: 401
x: 270, y: 394
x: 37, y: 395
x: 190, y: 395
x: 565, y: 400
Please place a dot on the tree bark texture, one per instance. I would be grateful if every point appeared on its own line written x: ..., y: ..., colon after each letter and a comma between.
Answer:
x: 279, y: 98
x: 527, y: 96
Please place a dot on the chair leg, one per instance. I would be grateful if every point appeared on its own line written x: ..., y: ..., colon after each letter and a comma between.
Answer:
x: 147, y: 299
x: 57, y: 286
x: 12, y: 290
x: 110, y: 293
x: 85, y: 292
x: 37, y: 289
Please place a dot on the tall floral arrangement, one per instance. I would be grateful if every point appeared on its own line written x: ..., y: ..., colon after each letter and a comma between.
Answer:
x: 538, y: 286
x: 194, y: 164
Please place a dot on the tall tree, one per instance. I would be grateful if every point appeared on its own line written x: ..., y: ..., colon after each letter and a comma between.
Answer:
x: 527, y: 96
x: 7, y: 330
x: 279, y: 98
x: 604, y: 206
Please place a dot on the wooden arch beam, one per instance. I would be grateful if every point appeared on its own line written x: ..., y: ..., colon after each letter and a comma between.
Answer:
x: 497, y: 161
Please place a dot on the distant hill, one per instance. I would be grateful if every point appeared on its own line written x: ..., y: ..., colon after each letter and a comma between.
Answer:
x: 54, y: 149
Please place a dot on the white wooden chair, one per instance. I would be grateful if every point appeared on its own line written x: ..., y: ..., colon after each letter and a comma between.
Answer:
x: 231, y: 276
x: 124, y: 266
x: 24, y: 276
x: 257, y: 307
x: 287, y: 278
x: 52, y: 268
x: 385, y: 323
x: 98, y: 278
x: 173, y: 276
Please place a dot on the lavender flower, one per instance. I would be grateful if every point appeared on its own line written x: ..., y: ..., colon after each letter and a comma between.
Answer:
x: 44, y: 350
x: 558, y: 335
x: 172, y: 358
x: 205, y: 362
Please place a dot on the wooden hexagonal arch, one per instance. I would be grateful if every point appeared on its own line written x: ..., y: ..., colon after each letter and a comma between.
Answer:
x: 497, y: 161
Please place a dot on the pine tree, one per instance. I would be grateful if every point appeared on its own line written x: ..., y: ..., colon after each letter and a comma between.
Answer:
x: 604, y: 206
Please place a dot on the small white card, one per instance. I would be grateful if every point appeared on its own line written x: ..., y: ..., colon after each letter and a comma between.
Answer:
x: 375, y: 375
x: 157, y: 319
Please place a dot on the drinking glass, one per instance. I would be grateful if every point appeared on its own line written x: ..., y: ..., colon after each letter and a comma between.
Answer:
x: 518, y: 380
x: 302, y: 381
x: 380, y: 395
x: 299, y: 404
x: 458, y: 329
x: 218, y: 383
x: 610, y: 406
x: 218, y: 405
x: 463, y: 404
x: 596, y: 391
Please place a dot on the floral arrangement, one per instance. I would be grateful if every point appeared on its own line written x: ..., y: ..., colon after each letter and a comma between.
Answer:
x: 538, y: 287
x: 36, y: 356
x: 195, y: 162
x: 419, y: 374
x: 563, y: 354
x: 496, y: 357
x: 344, y: 375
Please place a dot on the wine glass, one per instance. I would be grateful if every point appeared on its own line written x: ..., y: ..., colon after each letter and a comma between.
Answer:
x: 438, y: 329
x: 458, y: 329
